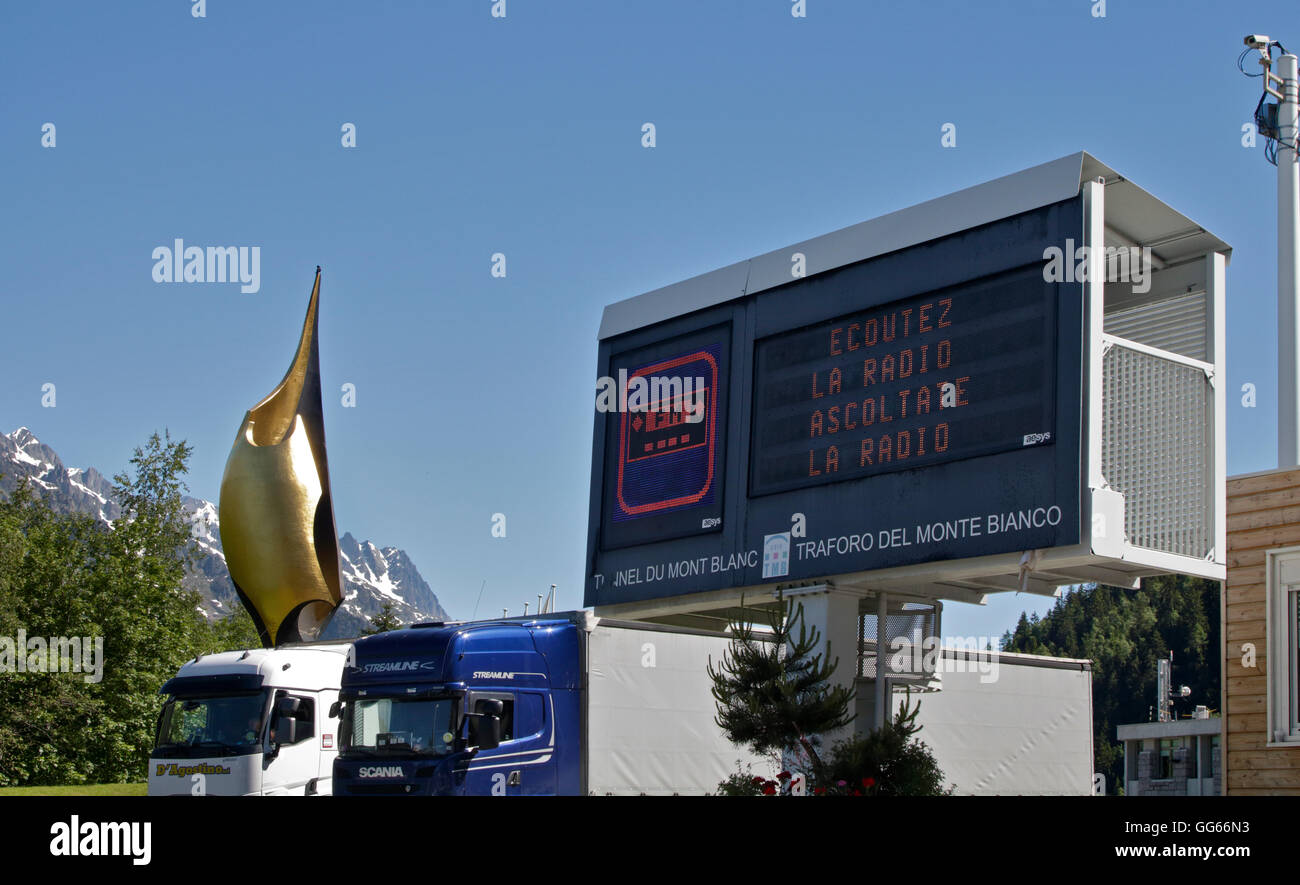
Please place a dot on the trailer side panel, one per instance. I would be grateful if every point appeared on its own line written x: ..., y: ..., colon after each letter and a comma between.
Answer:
x: 651, y: 711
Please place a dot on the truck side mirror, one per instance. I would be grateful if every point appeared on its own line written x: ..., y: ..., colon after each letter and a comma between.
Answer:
x: 335, y: 708
x: 288, y: 707
x: 485, y: 726
x: 286, y: 731
x: 488, y: 733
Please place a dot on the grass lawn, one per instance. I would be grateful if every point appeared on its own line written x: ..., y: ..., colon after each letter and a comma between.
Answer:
x: 84, y: 790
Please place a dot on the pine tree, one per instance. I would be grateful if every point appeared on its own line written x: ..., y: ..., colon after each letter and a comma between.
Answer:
x: 383, y: 621
x: 773, y: 692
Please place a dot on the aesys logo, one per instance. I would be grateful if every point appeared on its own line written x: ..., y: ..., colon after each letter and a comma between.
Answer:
x: 776, y: 555
x: 173, y: 769
x: 380, y: 771
x: 493, y: 674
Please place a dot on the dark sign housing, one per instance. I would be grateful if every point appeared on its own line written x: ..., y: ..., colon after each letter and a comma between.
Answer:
x: 1010, y: 388
x: 919, y: 405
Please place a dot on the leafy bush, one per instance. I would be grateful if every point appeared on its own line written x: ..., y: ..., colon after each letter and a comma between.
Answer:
x: 888, y: 761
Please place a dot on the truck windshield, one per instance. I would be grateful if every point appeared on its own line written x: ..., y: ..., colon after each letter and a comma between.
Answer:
x: 399, y: 725
x: 229, y: 726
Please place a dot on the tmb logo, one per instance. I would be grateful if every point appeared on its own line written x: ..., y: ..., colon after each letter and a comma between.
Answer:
x: 776, y: 555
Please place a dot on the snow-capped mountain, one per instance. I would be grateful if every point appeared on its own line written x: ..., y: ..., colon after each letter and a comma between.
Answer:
x: 372, y: 575
x: 68, y: 489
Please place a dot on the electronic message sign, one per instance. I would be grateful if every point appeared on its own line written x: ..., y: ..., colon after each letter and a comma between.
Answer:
x: 664, y: 450
x: 917, y: 406
x: 938, y: 377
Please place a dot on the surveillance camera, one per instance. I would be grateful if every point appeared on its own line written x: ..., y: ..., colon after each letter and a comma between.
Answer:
x: 1257, y: 41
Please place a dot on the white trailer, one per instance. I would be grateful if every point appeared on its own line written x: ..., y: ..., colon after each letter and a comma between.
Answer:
x: 1006, y: 723
x: 651, y: 710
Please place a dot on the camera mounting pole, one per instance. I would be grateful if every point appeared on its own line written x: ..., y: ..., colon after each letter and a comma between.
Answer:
x: 1288, y: 243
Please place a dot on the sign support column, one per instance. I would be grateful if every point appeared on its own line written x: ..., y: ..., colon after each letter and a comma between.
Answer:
x: 835, y: 615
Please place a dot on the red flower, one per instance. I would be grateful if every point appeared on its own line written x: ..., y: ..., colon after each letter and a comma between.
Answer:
x: 868, y: 782
x: 769, y: 789
x: 757, y: 781
x: 819, y: 791
x: 783, y: 776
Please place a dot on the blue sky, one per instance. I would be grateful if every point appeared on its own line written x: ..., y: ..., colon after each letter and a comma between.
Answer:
x: 522, y: 135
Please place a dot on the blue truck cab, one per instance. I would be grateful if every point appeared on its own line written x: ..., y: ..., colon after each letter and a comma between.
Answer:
x: 406, y: 695
x: 558, y: 704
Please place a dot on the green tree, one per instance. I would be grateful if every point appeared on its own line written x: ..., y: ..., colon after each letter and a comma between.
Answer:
x: 233, y: 633
x: 1125, y: 633
x: 45, y: 718
x: 68, y: 575
x: 150, y: 624
x: 773, y: 692
x: 385, y: 620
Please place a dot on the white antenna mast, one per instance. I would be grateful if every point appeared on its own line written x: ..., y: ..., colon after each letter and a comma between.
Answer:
x: 1285, y: 131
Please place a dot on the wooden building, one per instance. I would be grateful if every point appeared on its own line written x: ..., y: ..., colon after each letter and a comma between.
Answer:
x: 1261, y: 625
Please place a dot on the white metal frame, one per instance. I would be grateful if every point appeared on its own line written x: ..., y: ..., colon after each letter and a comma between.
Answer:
x: 1283, y: 595
x: 1095, y: 232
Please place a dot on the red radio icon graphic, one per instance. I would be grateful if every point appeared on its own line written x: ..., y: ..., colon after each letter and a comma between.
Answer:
x: 666, y: 452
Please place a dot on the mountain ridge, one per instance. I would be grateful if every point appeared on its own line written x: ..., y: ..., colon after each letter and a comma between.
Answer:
x: 371, y: 575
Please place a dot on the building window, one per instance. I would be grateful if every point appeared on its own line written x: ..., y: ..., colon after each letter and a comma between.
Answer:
x: 1293, y: 651
x: 1283, y: 639
x: 1165, y: 759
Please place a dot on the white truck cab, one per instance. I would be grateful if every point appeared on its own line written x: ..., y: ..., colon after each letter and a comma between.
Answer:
x: 250, y: 723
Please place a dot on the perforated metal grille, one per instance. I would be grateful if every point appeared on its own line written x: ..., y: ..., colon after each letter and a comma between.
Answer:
x: 1156, y: 448
x: 915, y: 622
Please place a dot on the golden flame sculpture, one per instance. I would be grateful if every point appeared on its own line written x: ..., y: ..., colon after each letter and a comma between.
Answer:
x: 277, y: 520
